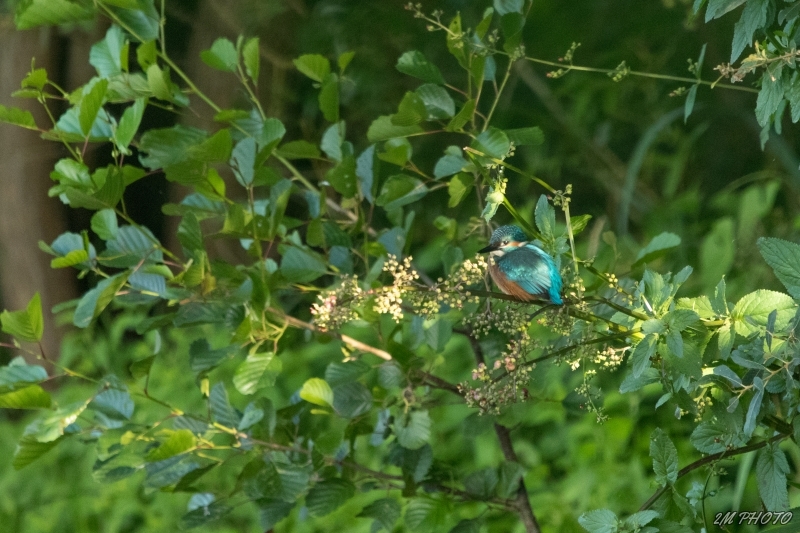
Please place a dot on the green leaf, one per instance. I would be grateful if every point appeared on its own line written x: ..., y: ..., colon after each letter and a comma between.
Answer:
x: 141, y: 367
x: 29, y: 450
x: 251, y: 416
x: 318, y: 392
x: 754, y: 17
x: 168, y: 146
x: 771, y: 471
x: 221, y: 56
x: 314, y: 66
x: 104, y: 224
x: 32, y: 13
x: 771, y: 94
x: 243, y: 161
x: 545, y: 217
x: 129, y: 125
x: 599, y: 521
x: 751, y: 312
x: 688, y: 105
x: 492, y: 142
x: 107, y: 55
x: 93, y: 302
x: 400, y: 190
x: 202, y: 358
x: 17, y: 117
x: 383, y: 129
x: 30, y: 397
x: 352, y: 399
x: 415, y: 64
x: 298, y: 150
x: 717, y: 434
x: 451, y: 163
x: 385, y: 511
x: 462, y: 117
x: 252, y: 58
x: 142, y: 21
x: 17, y: 371
x: 114, y: 403
x: 52, y: 426
x: 169, y: 471
x: 221, y: 408
x: 90, y: 105
x: 508, y: 6
x: 665, y: 458
x: 410, y: 111
x: 201, y: 514
x: 27, y: 325
x: 273, y: 511
x: 510, y: 474
x: 328, y: 495
x: 533, y: 136
x: 717, y: 8
x: 343, y: 177
x: 177, y: 442
x: 640, y: 358
x: 329, y: 98
x: 413, y: 430
x: 438, y: 102
x: 657, y: 247
x: 131, y: 247
x: 459, y: 187
x: 638, y: 520
x: 482, y: 483
x: 784, y: 258
x: 301, y: 266
x: 258, y: 371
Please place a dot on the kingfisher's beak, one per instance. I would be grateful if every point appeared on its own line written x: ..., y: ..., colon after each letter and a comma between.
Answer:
x: 490, y: 248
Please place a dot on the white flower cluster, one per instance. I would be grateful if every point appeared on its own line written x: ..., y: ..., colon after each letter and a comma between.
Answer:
x: 610, y: 358
x: 336, y: 307
x: 390, y: 299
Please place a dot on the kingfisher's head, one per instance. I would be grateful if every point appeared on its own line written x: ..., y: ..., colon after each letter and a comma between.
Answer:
x: 504, y: 239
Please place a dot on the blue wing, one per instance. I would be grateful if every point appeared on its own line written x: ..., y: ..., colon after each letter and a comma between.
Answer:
x: 533, y: 270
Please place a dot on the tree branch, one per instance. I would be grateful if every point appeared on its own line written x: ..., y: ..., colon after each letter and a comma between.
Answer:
x: 522, y: 502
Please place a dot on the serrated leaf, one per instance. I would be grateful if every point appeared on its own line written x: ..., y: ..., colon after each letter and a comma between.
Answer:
x: 413, y: 430
x: 751, y: 312
x: 545, y: 217
x: 90, y: 105
x: 599, y: 521
x: 339, y: 373
x: 665, y: 458
x: 26, y: 325
x: 132, y: 246
x: 784, y: 258
x: 640, y: 358
x: 328, y: 495
x: 771, y: 470
x: 318, y: 392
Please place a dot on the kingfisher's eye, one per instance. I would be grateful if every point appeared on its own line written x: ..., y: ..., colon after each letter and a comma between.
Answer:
x: 504, y: 243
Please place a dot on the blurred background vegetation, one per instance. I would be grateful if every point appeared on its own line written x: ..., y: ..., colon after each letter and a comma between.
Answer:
x: 706, y: 180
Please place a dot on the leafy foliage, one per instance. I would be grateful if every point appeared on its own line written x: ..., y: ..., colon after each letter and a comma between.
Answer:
x: 390, y: 347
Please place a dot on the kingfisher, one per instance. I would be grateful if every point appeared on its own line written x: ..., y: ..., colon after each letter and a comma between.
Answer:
x: 522, y: 269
